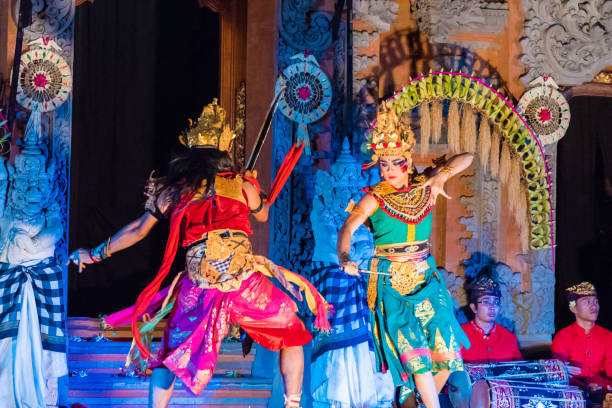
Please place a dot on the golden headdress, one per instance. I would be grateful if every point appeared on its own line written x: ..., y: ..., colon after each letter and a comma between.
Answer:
x: 391, y: 136
x: 210, y: 130
x: 580, y: 290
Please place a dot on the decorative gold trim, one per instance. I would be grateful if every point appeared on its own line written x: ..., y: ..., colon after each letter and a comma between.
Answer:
x: 603, y: 77
x: 240, y: 125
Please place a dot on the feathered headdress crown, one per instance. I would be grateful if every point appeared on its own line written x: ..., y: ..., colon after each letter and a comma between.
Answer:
x: 209, y: 130
x: 390, y: 136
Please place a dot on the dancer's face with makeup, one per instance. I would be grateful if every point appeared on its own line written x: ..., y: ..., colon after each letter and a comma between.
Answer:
x: 394, y: 169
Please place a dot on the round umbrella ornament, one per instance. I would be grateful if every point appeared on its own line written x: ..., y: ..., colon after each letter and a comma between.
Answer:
x: 546, y: 110
x: 45, y: 80
x: 305, y: 94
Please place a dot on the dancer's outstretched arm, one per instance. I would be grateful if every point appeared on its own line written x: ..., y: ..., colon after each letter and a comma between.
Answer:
x: 438, y: 175
x: 132, y: 233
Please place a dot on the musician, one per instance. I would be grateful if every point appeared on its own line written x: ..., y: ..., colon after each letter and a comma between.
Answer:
x: 490, y: 342
x: 584, y: 346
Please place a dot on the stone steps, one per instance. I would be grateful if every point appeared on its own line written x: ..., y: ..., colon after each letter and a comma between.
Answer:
x: 95, y: 379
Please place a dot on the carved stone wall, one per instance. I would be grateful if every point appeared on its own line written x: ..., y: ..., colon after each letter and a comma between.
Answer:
x: 442, y: 19
x: 484, y: 205
x: 527, y: 299
x: 291, y: 243
x: 571, y: 40
x: 55, y: 19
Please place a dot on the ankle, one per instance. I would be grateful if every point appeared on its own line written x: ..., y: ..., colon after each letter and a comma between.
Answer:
x: 293, y: 400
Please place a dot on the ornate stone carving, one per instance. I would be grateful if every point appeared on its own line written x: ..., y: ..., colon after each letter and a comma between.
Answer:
x: 455, y: 286
x: 31, y: 224
x: 441, y: 19
x: 333, y: 191
x: 569, y: 39
x: 291, y: 242
x: 379, y: 13
x: 49, y: 17
x: 304, y: 29
x: 535, y: 309
x: 483, y: 204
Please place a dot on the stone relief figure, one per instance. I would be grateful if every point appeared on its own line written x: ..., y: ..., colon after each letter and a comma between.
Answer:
x: 333, y: 192
x: 336, y: 357
x: 32, y: 322
x: 30, y: 225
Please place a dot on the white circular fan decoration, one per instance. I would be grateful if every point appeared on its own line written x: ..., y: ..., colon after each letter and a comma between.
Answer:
x: 306, y: 93
x: 546, y: 110
x: 45, y: 80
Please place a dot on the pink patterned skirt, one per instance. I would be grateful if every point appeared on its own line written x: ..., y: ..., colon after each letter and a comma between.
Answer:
x: 200, y: 318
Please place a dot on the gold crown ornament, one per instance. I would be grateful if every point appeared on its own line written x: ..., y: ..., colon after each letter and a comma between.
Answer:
x: 209, y: 130
x: 391, y: 136
x: 580, y: 290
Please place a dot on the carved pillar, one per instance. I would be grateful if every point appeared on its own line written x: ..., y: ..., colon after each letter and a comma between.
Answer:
x: 302, y: 28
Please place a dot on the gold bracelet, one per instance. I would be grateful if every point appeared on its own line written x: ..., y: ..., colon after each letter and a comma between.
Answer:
x: 446, y: 170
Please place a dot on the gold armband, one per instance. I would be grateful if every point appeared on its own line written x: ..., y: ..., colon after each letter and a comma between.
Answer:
x: 446, y: 170
x: 359, y: 211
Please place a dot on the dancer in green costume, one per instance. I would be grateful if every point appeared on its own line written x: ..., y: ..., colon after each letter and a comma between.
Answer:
x: 416, y: 335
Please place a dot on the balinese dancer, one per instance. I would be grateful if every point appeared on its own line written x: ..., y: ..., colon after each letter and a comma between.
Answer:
x: 416, y: 335
x: 209, y: 207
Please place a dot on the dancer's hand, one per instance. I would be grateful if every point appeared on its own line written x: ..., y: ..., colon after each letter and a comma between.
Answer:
x: 436, y: 184
x: 80, y: 257
x: 350, y: 268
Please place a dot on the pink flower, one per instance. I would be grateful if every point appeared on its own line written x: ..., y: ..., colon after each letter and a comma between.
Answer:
x: 544, y: 115
x: 40, y: 80
x: 304, y: 93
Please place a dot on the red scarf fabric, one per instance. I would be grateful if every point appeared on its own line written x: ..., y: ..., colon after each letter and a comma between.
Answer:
x: 147, y: 295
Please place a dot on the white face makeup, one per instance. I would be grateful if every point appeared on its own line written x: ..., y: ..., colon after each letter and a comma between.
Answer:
x: 394, y: 169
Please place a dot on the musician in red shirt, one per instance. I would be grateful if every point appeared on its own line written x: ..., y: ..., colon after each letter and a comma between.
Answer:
x: 585, y: 347
x: 490, y: 342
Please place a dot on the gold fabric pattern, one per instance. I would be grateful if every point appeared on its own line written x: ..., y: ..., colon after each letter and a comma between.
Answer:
x: 230, y: 188
x: 406, y: 276
x: 582, y: 289
x: 424, y: 312
x: 411, y: 205
x: 223, y: 257
x: 373, y: 285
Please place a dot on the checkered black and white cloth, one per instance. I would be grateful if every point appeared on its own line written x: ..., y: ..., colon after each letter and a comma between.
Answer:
x: 46, y: 278
x: 348, y: 295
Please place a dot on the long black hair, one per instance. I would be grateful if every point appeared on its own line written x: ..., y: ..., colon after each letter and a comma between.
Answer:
x: 190, y: 170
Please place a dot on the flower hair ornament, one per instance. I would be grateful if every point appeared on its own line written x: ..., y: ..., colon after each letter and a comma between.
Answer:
x: 390, y: 136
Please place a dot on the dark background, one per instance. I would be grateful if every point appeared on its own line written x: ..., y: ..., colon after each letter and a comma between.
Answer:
x: 584, y: 206
x: 141, y: 69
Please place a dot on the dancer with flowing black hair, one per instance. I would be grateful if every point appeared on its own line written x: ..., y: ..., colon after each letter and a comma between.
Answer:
x: 209, y: 205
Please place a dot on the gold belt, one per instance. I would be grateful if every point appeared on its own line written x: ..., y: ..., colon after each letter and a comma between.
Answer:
x: 408, y: 251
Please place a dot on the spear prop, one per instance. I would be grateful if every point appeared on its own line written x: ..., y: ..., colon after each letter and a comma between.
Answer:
x: 263, y: 131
